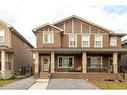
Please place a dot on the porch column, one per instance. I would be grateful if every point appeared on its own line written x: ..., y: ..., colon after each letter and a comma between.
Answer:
x: 115, y: 62
x: 36, y: 62
x: 84, y: 62
x: 3, y: 66
x: 12, y: 64
x: 52, y: 62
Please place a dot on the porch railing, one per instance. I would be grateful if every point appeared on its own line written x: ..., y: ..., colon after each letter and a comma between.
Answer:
x: 101, y: 69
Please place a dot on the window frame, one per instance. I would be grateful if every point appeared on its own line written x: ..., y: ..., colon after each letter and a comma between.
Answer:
x: 68, y: 58
x: 2, y: 36
x: 95, y: 45
x: 87, y: 40
x: 52, y: 35
x: 75, y: 40
x: 101, y: 66
x: 115, y: 43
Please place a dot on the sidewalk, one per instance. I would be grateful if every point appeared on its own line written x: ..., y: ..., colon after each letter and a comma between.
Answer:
x: 23, y: 84
x: 41, y: 84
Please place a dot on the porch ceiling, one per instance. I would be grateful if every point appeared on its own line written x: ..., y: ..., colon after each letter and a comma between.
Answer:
x: 80, y: 50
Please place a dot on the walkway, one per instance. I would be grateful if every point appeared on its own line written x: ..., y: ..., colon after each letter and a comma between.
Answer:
x: 41, y: 84
x: 21, y: 84
x: 70, y: 84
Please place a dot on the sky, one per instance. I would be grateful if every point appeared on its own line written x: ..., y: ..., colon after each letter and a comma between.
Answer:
x: 24, y: 15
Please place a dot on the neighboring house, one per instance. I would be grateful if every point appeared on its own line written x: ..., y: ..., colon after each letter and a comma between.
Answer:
x: 15, y: 51
x: 124, y: 57
x: 76, y: 46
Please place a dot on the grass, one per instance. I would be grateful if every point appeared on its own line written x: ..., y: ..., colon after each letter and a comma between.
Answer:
x: 8, y: 81
x: 110, y: 85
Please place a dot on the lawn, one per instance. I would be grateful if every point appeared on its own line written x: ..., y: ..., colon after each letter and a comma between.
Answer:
x: 110, y: 85
x: 8, y: 81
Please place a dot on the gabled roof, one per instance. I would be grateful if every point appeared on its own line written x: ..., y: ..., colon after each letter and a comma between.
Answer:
x: 118, y: 34
x: 15, y: 31
x: 5, y: 23
x: 47, y: 24
x: 74, y: 16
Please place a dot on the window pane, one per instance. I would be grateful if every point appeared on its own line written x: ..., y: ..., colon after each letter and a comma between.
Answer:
x: 112, y: 41
x: 1, y: 35
x: 48, y: 38
x: 98, y: 40
x: 1, y: 32
x: 94, y: 62
x: 72, y: 41
x: 85, y: 40
x: 65, y: 62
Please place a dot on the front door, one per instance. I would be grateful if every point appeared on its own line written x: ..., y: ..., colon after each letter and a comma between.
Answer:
x: 45, y: 63
x: 110, y: 65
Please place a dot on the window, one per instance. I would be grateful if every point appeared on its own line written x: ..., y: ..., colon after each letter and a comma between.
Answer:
x: 94, y: 62
x: 72, y: 40
x: 2, y: 36
x: 112, y: 41
x: 48, y: 38
x: 66, y: 62
x: 85, y: 41
x: 98, y: 41
x: 8, y: 61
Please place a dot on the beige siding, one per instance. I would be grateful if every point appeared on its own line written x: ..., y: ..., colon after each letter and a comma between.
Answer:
x: 105, y: 41
x: 77, y: 26
x: 23, y: 56
x: 68, y: 26
x: 56, y: 44
x: 85, y: 28
x: 7, y: 36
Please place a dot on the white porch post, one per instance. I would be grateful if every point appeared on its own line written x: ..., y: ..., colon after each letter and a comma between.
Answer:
x: 115, y: 62
x: 84, y: 62
x: 36, y: 62
x: 3, y: 66
x: 52, y: 62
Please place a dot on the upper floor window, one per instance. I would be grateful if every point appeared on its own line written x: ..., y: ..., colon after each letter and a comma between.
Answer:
x: 112, y: 41
x: 85, y: 40
x: 98, y: 41
x: 48, y: 38
x: 72, y: 40
x: 2, y: 35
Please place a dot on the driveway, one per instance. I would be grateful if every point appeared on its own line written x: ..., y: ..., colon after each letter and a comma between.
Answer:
x: 21, y: 84
x: 70, y: 84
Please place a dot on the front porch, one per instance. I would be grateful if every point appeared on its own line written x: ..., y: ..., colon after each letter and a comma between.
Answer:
x: 81, y: 62
x: 6, y: 63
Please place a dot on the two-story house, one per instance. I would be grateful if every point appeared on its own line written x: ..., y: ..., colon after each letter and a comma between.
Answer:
x: 15, y: 52
x: 76, y: 46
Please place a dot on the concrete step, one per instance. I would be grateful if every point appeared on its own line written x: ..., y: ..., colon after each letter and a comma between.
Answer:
x: 43, y: 75
x: 67, y: 75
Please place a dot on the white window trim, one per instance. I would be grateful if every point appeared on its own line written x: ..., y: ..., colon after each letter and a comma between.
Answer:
x: 66, y: 57
x: 101, y: 41
x: 88, y: 40
x: 97, y: 57
x: 52, y: 38
x: 4, y: 35
x: 69, y: 40
x: 115, y: 41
